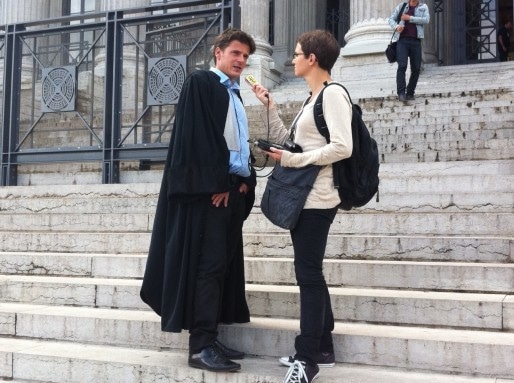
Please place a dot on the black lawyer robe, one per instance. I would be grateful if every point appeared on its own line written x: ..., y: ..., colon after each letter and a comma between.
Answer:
x: 196, y: 167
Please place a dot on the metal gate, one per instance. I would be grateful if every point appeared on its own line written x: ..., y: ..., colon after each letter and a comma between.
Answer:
x: 466, y: 31
x: 100, y: 88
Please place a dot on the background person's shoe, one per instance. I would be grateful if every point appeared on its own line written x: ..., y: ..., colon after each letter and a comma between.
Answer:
x: 211, y: 359
x: 300, y: 372
x: 402, y: 97
x: 228, y: 352
x: 410, y: 97
x: 323, y: 359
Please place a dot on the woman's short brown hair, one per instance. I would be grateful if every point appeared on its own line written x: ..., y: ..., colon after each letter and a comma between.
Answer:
x: 323, y: 45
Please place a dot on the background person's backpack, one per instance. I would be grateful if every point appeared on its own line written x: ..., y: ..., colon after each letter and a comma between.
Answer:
x: 356, y: 177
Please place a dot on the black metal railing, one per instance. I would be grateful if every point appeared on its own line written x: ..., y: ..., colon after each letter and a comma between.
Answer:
x: 100, y: 87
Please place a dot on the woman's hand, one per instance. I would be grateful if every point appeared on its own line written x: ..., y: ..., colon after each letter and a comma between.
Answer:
x: 262, y: 94
x: 274, y: 153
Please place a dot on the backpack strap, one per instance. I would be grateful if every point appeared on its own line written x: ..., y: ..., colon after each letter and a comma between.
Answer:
x: 319, y: 118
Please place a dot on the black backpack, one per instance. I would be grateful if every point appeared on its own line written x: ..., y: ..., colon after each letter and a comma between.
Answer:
x: 356, y: 177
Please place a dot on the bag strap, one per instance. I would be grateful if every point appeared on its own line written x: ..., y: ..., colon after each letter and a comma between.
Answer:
x: 400, y: 14
x: 319, y: 118
x: 398, y: 18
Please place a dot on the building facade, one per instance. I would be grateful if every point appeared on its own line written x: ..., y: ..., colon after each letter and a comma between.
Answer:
x: 96, y: 80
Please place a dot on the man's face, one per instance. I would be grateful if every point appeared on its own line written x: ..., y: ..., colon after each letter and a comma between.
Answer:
x: 232, y: 60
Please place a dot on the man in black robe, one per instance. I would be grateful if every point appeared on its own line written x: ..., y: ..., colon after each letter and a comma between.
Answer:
x: 194, y: 277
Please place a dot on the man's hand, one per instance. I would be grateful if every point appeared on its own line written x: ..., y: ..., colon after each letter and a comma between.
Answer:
x: 217, y: 199
x: 405, y: 17
x: 400, y: 28
x: 243, y: 188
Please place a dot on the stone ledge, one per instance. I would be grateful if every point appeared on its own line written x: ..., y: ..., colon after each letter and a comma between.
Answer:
x: 65, y: 363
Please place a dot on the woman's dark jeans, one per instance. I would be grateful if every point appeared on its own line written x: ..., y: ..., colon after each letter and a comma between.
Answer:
x: 408, y: 48
x: 316, y: 318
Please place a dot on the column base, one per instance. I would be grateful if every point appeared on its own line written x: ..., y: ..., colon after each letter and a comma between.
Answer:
x: 368, y: 37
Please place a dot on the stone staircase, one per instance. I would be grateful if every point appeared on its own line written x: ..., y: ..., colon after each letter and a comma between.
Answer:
x: 422, y: 281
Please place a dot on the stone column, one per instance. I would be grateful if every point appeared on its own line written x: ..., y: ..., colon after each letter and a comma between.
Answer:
x: 255, y: 21
x: 113, y: 5
x: 129, y: 54
x: 304, y: 15
x: 133, y: 58
x: 17, y: 11
x: 429, y: 42
x: 370, y: 31
x: 282, y: 45
x: 20, y: 11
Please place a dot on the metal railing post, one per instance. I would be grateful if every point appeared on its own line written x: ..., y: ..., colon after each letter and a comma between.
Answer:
x: 113, y: 83
x: 11, y: 105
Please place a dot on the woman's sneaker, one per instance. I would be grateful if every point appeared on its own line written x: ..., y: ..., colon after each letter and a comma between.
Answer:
x: 300, y: 372
x: 323, y: 359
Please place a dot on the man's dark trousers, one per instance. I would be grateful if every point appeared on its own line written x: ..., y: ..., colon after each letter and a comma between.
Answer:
x: 222, y: 231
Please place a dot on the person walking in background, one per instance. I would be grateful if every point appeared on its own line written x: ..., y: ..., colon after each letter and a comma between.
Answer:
x: 409, y: 35
x: 194, y: 276
x: 313, y: 58
x: 504, y: 41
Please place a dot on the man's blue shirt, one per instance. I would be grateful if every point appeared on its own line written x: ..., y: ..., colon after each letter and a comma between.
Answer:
x: 239, y: 159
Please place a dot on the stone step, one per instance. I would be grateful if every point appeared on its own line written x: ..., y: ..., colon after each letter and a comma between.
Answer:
x: 417, y: 275
x: 386, y: 248
x: 434, y: 276
x: 62, y: 362
x: 444, y: 141
x: 437, y: 184
x: 489, y: 107
x: 470, y: 352
x: 494, y: 149
x: 396, y: 194
x: 121, y: 266
x: 273, y: 244
x: 75, y: 242
x: 407, y: 223
x: 500, y: 202
x: 412, y: 223
x: 69, y: 222
x: 397, y: 155
x: 447, y: 184
x: 465, y: 111
x: 149, y: 186
x: 484, y: 78
x: 479, y: 311
x: 505, y: 167
x: 392, y: 198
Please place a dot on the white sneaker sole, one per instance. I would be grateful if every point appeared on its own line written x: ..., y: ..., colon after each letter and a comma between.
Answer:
x: 286, y: 361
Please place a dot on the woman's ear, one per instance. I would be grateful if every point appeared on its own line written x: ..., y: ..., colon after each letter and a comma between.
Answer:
x: 312, y: 59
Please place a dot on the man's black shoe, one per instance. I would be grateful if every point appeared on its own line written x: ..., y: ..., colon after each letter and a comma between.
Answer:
x: 212, y: 360
x: 228, y: 352
x: 402, y: 97
x: 410, y: 97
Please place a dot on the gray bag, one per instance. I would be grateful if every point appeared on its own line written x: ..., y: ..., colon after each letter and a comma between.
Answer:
x: 286, y: 192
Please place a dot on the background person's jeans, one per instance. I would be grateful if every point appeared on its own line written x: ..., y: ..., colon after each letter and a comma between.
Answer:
x: 408, y: 48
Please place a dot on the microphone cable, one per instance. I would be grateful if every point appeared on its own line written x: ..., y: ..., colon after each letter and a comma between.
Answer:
x: 267, y: 138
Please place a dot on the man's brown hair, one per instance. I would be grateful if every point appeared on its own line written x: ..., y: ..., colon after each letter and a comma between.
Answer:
x: 224, y: 39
